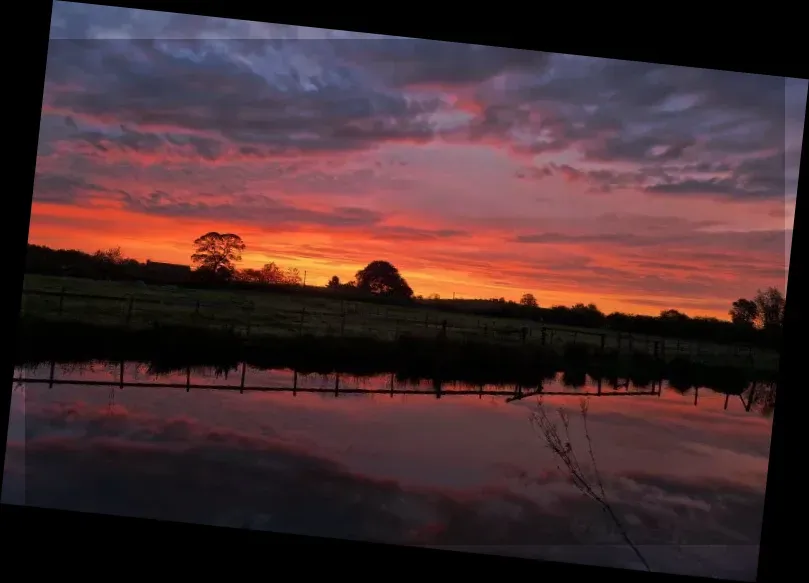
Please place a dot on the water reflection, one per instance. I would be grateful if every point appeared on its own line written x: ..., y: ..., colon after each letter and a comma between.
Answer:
x: 757, y: 395
x: 381, y: 458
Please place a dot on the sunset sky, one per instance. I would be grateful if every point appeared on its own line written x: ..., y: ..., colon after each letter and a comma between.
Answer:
x: 478, y: 171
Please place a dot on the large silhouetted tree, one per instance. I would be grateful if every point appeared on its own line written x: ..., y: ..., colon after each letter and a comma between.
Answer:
x: 529, y: 300
x: 334, y: 282
x: 770, y: 304
x: 383, y: 279
x: 744, y: 312
x: 216, y: 254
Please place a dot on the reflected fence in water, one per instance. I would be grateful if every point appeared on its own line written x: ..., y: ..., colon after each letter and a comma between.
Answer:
x: 339, y: 383
x: 337, y: 386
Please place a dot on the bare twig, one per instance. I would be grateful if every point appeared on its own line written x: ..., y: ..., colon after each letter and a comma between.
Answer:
x: 564, y: 452
x: 584, y: 408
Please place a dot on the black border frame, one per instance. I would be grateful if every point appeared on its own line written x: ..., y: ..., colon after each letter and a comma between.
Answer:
x: 720, y: 42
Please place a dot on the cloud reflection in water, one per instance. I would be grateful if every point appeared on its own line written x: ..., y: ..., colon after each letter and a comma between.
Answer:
x: 466, y: 473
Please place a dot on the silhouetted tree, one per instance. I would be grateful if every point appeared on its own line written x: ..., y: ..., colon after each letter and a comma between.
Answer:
x: 673, y: 315
x: 770, y: 304
x: 113, y: 255
x: 434, y: 297
x: 112, y: 264
x: 292, y: 276
x: 334, y: 282
x: 248, y: 275
x: 272, y: 274
x: 744, y: 312
x: 529, y: 300
x: 586, y: 316
x: 269, y: 274
x: 216, y: 254
x: 383, y: 279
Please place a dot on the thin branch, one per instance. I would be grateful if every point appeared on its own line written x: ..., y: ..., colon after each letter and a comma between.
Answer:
x: 564, y: 452
x: 584, y: 408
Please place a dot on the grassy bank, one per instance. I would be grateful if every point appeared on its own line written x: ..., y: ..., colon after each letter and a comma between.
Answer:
x: 169, y: 347
x: 136, y: 307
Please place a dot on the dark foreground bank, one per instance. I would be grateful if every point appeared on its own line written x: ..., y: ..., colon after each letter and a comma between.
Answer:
x: 441, y: 359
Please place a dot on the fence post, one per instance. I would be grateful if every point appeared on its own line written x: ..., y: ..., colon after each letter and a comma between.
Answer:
x: 61, y: 300
x: 524, y: 333
x: 426, y: 320
x: 196, y: 309
x: 343, y: 323
x: 543, y: 336
x: 603, y: 344
x: 303, y: 317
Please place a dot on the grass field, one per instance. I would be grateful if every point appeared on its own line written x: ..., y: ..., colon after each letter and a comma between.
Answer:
x: 136, y: 305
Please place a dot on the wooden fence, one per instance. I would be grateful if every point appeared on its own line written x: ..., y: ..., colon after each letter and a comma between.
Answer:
x: 351, y: 320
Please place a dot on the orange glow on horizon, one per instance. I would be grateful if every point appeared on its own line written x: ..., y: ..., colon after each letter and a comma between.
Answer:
x: 166, y: 239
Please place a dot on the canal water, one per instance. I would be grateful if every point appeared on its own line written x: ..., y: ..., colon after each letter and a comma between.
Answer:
x: 685, y: 473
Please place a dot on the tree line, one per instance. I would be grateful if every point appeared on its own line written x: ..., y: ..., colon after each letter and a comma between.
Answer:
x: 757, y: 321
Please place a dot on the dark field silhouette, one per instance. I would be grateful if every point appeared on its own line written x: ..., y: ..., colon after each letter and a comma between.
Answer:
x: 755, y: 322
x: 169, y: 348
